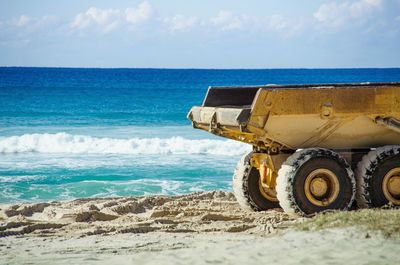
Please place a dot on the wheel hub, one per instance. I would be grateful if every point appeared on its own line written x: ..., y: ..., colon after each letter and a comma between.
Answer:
x: 318, y: 187
x: 267, y: 192
x: 321, y: 187
x: 391, y: 186
x: 394, y: 185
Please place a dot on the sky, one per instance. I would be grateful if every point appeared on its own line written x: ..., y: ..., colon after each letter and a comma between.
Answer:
x: 200, y: 34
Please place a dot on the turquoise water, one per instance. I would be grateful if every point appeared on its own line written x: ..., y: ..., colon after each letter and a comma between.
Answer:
x: 71, y: 133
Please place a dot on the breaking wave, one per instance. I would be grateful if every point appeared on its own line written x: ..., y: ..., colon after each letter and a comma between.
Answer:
x: 81, y: 144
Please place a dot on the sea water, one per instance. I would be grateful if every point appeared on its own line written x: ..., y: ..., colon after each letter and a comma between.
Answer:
x: 72, y: 133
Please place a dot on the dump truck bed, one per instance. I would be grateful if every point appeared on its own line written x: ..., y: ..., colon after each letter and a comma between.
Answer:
x: 334, y: 116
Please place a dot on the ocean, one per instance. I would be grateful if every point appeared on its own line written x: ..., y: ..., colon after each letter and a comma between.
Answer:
x: 70, y: 133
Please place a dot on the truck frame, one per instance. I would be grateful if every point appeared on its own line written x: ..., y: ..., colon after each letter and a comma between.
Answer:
x: 315, y: 147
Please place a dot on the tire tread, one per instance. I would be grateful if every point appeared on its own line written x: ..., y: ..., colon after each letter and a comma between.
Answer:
x: 286, y: 177
x: 365, y: 170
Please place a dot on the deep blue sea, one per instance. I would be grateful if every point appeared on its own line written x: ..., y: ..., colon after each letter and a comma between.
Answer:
x: 71, y: 133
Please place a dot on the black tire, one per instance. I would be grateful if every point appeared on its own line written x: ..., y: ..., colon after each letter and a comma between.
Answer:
x: 291, y: 182
x: 246, y: 188
x: 371, y: 172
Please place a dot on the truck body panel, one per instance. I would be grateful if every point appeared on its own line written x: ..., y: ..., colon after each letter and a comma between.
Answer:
x: 334, y: 116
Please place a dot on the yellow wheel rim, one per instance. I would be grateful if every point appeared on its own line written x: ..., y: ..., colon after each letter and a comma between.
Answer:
x: 391, y: 186
x: 321, y: 187
x: 268, y: 193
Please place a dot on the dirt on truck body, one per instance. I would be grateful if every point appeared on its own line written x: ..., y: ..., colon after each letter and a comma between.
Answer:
x: 315, y: 147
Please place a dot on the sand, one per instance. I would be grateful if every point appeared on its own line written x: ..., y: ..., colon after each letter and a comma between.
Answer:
x: 199, y: 228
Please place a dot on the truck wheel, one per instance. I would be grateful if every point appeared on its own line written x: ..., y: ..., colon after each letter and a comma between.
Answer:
x: 378, y: 178
x: 248, y: 190
x: 315, y: 180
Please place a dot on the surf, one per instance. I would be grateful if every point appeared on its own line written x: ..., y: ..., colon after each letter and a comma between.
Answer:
x: 65, y: 143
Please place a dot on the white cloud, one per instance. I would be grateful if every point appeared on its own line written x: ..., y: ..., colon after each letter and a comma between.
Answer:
x: 140, y: 14
x: 180, y: 23
x: 22, y: 21
x: 336, y: 14
x: 363, y: 7
x: 276, y: 22
x: 27, y: 24
x: 19, y: 31
x: 330, y: 12
x: 286, y: 26
x: 107, y: 19
x: 81, y: 21
x: 110, y: 19
x: 225, y: 20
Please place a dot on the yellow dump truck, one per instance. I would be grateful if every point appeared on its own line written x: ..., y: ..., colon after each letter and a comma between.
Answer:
x: 315, y: 147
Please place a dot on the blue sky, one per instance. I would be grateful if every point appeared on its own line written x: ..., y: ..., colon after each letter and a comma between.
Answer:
x: 200, y: 34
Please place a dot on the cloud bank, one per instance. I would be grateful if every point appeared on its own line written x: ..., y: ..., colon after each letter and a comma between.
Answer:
x: 334, y: 14
x: 224, y: 33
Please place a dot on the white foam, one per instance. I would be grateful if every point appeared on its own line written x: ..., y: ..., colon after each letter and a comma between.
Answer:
x: 81, y: 144
x: 16, y: 179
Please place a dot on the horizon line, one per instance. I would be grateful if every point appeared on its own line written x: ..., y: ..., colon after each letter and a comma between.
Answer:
x: 199, y: 68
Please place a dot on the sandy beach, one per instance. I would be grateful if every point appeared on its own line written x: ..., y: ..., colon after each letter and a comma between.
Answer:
x: 200, y: 132
x: 199, y: 228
